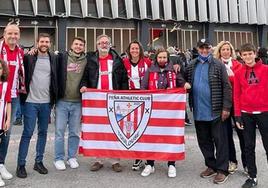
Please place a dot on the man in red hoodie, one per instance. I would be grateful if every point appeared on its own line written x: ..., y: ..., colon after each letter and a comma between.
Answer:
x: 251, y: 106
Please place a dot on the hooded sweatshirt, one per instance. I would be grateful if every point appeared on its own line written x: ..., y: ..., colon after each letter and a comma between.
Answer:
x: 251, y: 89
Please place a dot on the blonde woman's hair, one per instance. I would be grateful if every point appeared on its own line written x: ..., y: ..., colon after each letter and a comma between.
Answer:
x: 217, y: 51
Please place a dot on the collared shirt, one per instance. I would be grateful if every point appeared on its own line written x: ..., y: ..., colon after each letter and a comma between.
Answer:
x: 202, y: 93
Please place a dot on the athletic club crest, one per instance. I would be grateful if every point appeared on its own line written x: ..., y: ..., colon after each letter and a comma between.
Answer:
x: 129, y: 116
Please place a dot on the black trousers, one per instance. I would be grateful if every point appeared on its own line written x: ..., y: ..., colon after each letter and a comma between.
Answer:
x: 151, y: 162
x: 242, y: 145
x: 213, y: 143
x: 231, y: 145
x: 250, y: 121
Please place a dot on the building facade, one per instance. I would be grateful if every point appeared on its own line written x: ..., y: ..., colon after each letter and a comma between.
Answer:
x: 153, y: 22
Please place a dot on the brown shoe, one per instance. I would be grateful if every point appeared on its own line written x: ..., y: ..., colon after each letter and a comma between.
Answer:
x: 209, y: 172
x: 220, y: 178
x: 96, y: 166
x: 117, y: 167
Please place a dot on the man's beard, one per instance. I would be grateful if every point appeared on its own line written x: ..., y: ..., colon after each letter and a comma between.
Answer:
x: 103, y: 50
x: 41, y: 49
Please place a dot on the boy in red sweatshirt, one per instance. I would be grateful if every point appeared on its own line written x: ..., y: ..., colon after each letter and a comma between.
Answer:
x: 251, y: 106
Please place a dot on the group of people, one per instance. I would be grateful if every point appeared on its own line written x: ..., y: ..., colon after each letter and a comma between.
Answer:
x: 222, y: 91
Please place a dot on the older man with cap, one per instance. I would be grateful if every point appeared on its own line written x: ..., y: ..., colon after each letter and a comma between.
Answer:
x: 211, y: 101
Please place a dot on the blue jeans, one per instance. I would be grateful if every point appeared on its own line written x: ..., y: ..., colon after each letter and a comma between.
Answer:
x: 5, y: 139
x: 33, y: 111
x: 67, y: 113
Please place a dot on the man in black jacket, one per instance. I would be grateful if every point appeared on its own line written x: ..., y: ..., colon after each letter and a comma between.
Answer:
x: 104, y: 70
x: 211, y: 101
x: 41, y: 91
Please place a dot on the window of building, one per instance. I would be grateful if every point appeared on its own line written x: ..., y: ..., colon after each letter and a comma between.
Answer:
x: 60, y: 7
x: 92, y: 8
x: 122, y: 12
x: 8, y: 8
x: 44, y: 7
x: 185, y: 10
x: 173, y: 9
x: 91, y: 45
x: 117, y: 40
x: 76, y: 9
x: 107, y: 9
x: 161, y: 9
x: 149, y: 9
x: 136, y: 9
x: 25, y: 7
x: 70, y: 37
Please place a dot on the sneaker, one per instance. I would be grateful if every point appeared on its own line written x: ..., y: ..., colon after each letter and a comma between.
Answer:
x: 172, y: 171
x: 96, y: 166
x: 17, y: 122
x: 4, y: 173
x: 220, y: 178
x: 209, y: 172
x: 40, y: 168
x: 117, y: 167
x: 147, y: 170
x: 21, y: 172
x: 137, y: 165
x: 250, y: 182
x: 2, y: 183
x: 232, y: 167
x: 245, y: 170
x: 72, y: 162
x: 60, y: 165
x: 188, y: 123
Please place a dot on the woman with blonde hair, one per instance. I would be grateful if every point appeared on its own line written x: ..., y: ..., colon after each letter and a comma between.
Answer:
x: 225, y: 52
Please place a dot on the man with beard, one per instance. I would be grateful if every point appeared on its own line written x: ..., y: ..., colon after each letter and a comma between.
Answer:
x: 12, y: 54
x: 104, y: 70
x: 41, y: 90
x: 68, y: 107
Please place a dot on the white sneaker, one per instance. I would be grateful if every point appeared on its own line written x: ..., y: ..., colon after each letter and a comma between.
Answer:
x: 60, y: 165
x: 147, y: 170
x: 72, y: 162
x: 4, y: 173
x: 172, y: 171
x: 2, y: 183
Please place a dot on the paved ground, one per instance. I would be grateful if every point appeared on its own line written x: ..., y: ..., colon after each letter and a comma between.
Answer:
x: 187, y: 171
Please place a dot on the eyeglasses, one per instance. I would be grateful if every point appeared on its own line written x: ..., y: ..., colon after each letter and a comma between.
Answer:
x: 103, y: 43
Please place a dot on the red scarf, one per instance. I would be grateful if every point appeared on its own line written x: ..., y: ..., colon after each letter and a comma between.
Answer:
x: 143, y: 65
x: 154, y: 76
x: 105, y: 78
x: 16, y: 69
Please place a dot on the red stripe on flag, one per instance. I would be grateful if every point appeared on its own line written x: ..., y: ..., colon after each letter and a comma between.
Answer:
x: 94, y: 103
x: 168, y: 105
x: 155, y: 105
x: 159, y: 122
x: 143, y: 139
x: 95, y: 120
x: 132, y: 154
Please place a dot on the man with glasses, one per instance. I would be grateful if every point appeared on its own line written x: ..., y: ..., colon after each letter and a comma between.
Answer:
x: 211, y: 101
x: 104, y: 70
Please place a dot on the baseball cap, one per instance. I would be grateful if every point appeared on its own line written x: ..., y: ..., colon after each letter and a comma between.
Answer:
x: 203, y: 42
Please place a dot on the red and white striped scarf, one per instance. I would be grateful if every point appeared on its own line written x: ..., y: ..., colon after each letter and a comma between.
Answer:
x: 105, y: 73
x: 15, y: 67
x: 136, y: 73
x: 154, y: 77
x: 3, y: 106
